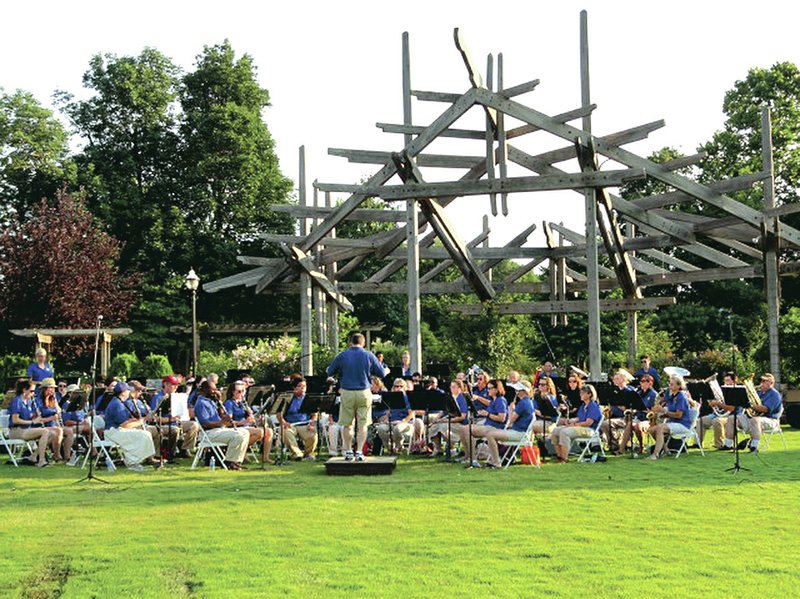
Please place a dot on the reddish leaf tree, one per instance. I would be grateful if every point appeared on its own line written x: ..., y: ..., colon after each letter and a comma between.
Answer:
x: 59, y: 270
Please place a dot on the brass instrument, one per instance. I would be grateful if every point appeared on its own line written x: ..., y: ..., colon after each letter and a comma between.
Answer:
x: 752, y: 396
x: 716, y: 390
x: 654, y: 417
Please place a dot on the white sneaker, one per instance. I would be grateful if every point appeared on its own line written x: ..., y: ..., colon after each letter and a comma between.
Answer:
x: 348, y: 456
x: 360, y: 457
x: 333, y: 454
x: 137, y: 468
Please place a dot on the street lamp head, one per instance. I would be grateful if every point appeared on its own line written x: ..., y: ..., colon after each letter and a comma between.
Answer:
x: 192, y: 280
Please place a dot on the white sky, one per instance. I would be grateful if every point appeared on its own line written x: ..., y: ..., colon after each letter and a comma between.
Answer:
x: 333, y: 69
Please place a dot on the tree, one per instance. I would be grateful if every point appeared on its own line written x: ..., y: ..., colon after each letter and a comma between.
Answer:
x: 59, y: 269
x: 33, y: 154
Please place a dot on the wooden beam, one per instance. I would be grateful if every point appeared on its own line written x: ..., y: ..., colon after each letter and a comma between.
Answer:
x: 116, y: 332
x: 518, y: 90
x: 566, y: 306
x: 445, y: 264
x: 427, y: 96
x: 247, y: 278
x: 509, y: 185
x: 663, y: 200
x: 377, y: 157
x: 360, y: 215
x: 306, y: 263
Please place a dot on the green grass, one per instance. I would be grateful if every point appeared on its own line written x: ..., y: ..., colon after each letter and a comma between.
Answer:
x: 673, y: 528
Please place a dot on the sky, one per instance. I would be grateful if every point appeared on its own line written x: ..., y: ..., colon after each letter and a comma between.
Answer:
x: 333, y: 69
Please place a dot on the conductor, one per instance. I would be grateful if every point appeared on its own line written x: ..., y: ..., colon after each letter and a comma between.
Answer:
x: 354, y: 367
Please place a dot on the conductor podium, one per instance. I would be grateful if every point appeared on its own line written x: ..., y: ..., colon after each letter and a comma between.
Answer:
x: 372, y: 465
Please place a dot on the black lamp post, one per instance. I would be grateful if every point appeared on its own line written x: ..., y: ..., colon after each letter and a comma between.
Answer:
x: 192, y: 283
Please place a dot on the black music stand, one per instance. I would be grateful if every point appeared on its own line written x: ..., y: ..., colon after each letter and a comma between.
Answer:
x: 453, y: 411
x: 260, y: 396
x: 90, y: 475
x: 71, y: 402
x: 548, y: 411
x: 314, y: 403
x: 277, y: 405
x: 473, y: 415
x: 608, y: 395
x: 393, y: 400
x: 736, y: 397
x: 425, y: 400
x: 633, y: 403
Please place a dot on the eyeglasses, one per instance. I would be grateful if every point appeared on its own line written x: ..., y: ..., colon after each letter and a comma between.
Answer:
x: 491, y: 387
x: 543, y: 385
x: 60, y: 386
x: 572, y: 381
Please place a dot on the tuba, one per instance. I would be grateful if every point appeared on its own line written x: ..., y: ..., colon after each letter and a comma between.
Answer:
x: 752, y: 396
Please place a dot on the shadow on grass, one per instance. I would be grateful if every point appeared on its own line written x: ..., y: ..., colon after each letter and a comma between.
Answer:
x: 420, y: 478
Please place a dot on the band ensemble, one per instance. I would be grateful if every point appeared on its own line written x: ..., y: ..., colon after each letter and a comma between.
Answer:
x: 363, y: 407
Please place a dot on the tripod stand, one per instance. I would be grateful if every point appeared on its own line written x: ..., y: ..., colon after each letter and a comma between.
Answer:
x: 737, y: 397
x: 90, y: 475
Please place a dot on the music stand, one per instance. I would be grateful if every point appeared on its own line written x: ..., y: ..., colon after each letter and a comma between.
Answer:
x: 90, y: 475
x: 548, y: 411
x: 633, y: 403
x: 313, y: 403
x: 71, y: 403
x: 278, y: 404
x: 736, y: 397
x: 607, y: 395
x: 473, y: 415
x: 393, y: 400
x: 453, y: 411
x: 425, y: 400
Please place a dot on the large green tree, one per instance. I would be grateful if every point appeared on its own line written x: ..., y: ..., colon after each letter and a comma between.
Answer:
x: 34, y: 148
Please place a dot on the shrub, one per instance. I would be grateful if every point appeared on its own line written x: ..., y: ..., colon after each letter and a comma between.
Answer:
x: 13, y: 365
x: 156, y: 366
x: 125, y: 366
x: 219, y: 362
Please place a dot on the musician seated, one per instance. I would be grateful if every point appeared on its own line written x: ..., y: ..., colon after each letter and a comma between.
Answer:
x: 495, y: 416
x: 675, y: 408
x: 616, y: 415
x: 75, y: 419
x: 572, y: 398
x: 242, y: 415
x: 753, y: 419
x: 50, y: 410
x: 518, y: 424
x: 480, y: 393
x: 639, y: 423
x: 716, y: 419
x: 26, y: 422
x: 583, y: 425
x: 373, y: 442
x: 125, y: 428
x: 140, y: 409
x: 438, y: 430
x: 217, y: 423
x: 295, y: 423
x: 398, y: 421
x: 545, y: 392
x: 188, y: 429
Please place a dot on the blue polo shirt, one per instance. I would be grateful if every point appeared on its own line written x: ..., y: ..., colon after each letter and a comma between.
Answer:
x: 293, y: 415
x: 137, y: 407
x: 115, y: 413
x: 553, y: 402
x: 235, y: 409
x: 354, y: 367
x: 205, y: 410
x: 77, y: 415
x: 23, y: 408
x: 590, y: 410
x: 649, y: 400
x: 156, y: 399
x: 461, y: 402
x: 38, y: 373
x: 45, y: 411
x: 679, y: 402
x: 499, y: 405
x: 524, y: 412
x: 400, y: 413
x: 772, y: 401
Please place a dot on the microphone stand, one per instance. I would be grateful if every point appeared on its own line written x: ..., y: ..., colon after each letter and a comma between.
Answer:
x: 90, y: 476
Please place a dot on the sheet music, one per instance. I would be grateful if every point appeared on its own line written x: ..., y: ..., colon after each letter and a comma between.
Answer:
x: 179, y: 405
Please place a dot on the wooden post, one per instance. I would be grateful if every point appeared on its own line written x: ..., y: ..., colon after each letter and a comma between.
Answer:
x: 306, y: 321
x: 406, y: 85
x: 590, y: 204
x: 320, y: 321
x: 333, y: 308
x: 633, y: 317
x: 105, y: 354
x: 561, y: 270
x: 485, y: 230
x: 770, y: 244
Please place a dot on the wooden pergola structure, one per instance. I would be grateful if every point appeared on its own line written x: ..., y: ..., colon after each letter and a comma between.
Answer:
x: 44, y: 338
x: 646, y: 242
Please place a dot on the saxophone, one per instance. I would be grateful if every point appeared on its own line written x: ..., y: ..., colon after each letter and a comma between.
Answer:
x: 654, y: 417
x: 752, y: 396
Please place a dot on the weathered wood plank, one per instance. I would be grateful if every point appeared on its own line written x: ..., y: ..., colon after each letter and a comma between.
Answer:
x: 360, y: 214
x: 444, y: 265
x: 663, y: 200
x: 249, y: 277
x: 428, y: 96
x: 377, y: 157
x: 306, y: 263
x: 518, y: 90
x: 565, y: 306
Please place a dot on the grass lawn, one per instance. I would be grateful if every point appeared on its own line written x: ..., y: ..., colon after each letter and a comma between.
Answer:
x: 672, y: 528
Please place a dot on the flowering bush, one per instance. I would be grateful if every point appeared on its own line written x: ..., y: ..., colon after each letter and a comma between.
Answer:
x: 269, y: 359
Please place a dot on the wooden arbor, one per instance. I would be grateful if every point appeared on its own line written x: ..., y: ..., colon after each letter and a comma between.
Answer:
x: 744, y: 243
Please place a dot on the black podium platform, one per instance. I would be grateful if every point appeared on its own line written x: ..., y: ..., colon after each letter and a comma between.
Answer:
x: 369, y: 467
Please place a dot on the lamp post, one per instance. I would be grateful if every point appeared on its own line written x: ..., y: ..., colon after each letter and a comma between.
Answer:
x: 192, y: 283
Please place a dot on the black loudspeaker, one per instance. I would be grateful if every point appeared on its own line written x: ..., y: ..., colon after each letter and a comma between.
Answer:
x: 793, y: 415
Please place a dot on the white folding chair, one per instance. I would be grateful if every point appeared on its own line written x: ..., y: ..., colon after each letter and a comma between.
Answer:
x: 768, y: 429
x: 13, y: 446
x: 690, y: 434
x: 216, y: 447
x: 512, y: 447
x: 585, y: 443
x: 103, y: 445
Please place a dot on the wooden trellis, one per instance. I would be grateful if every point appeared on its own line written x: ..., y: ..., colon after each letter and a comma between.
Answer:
x: 744, y: 243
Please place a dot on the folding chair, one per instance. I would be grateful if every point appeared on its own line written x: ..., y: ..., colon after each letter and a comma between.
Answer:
x: 104, y: 445
x: 204, y: 443
x: 587, y: 442
x: 512, y: 447
x: 690, y: 434
x: 12, y: 446
x: 767, y: 430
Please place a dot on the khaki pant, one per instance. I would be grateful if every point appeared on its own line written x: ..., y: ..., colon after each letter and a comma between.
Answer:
x: 189, y: 430
x: 136, y: 444
x: 235, y: 438
x: 563, y: 435
x: 309, y: 438
x: 717, y: 424
x: 401, y: 430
